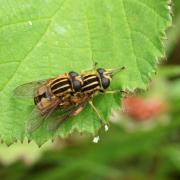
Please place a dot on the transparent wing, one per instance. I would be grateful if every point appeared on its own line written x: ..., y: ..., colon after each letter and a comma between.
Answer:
x: 60, y: 117
x: 27, y: 89
x: 36, y: 119
x: 63, y: 115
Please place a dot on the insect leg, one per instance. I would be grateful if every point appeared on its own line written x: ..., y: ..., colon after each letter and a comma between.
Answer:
x: 77, y: 111
x: 103, y: 121
x: 95, y: 65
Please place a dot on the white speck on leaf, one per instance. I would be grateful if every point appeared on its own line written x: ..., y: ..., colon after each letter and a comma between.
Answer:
x: 96, y: 139
x: 30, y: 23
x: 106, y: 128
x: 59, y: 29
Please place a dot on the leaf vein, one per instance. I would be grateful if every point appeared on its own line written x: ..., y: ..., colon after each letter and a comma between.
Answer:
x: 130, y: 38
x: 24, y: 22
x: 151, y: 9
x: 147, y: 38
x: 89, y: 37
x: 38, y: 41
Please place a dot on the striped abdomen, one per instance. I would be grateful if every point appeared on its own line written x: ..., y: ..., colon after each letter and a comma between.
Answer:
x: 91, y: 83
x: 60, y: 86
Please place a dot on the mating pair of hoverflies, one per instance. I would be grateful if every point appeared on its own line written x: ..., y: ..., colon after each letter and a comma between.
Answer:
x: 65, y: 96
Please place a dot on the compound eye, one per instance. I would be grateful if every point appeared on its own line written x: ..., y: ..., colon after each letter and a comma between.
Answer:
x: 100, y: 71
x: 73, y: 74
x: 105, y: 82
x: 77, y: 85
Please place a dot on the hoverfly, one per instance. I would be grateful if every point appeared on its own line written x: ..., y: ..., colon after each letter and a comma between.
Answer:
x: 94, y: 81
x: 48, y: 95
x: 66, y: 95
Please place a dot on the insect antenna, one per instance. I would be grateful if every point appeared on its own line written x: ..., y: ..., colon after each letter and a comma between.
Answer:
x: 112, y: 72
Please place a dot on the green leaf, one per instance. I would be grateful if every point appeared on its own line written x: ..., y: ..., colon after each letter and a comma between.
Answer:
x: 40, y: 39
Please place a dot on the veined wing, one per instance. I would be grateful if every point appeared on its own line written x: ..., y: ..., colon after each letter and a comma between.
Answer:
x: 64, y: 114
x: 27, y: 89
x: 36, y: 119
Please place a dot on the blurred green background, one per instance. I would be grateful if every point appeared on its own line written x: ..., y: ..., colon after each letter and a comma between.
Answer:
x: 143, y: 141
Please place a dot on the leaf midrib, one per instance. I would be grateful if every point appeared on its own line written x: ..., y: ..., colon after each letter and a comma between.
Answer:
x: 35, y: 45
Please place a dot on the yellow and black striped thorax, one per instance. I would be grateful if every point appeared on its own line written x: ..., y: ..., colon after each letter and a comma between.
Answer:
x: 67, y: 83
x: 98, y: 80
x: 90, y: 82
